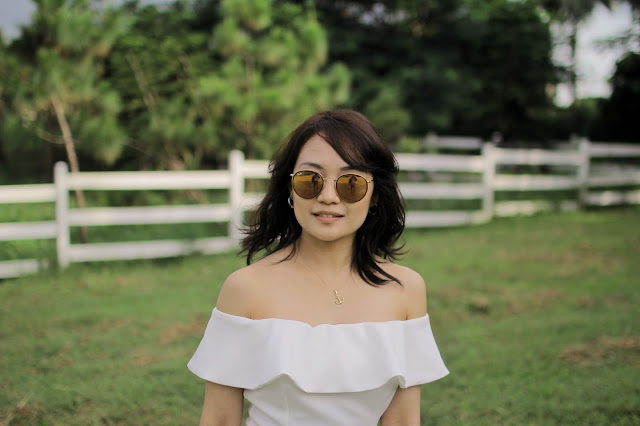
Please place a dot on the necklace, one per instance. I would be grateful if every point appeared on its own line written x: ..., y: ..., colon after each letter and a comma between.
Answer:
x: 339, y: 300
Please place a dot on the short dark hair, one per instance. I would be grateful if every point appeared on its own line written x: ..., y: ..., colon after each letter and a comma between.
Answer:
x: 355, y: 139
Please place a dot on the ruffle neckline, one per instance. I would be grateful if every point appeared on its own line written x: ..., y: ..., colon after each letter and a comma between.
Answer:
x: 325, y: 358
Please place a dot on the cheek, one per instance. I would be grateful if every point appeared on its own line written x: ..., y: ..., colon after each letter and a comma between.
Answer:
x: 299, y: 207
x: 359, y: 214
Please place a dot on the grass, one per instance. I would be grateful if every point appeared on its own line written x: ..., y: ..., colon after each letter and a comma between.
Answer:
x: 536, y: 318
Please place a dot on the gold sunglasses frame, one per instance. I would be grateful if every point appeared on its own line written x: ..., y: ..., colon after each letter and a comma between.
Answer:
x: 335, y: 183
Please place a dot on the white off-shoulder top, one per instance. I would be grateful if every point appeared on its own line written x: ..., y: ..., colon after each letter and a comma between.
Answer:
x: 293, y: 373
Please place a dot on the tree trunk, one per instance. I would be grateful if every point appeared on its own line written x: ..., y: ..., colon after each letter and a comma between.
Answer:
x: 573, y: 67
x: 141, y: 80
x: 71, y: 155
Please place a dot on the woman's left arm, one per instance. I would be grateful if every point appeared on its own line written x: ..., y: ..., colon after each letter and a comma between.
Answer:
x: 404, y: 409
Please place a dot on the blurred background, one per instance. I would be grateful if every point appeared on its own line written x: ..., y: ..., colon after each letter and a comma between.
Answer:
x: 176, y: 85
x: 496, y: 109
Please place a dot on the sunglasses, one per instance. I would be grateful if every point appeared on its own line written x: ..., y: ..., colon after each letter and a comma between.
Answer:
x: 350, y: 187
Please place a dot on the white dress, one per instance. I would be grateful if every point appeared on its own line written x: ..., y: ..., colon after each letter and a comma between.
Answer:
x: 293, y: 373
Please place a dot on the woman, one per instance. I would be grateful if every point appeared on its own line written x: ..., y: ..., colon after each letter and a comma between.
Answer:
x: 324, y: 329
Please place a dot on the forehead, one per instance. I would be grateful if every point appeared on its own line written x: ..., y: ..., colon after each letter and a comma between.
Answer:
x: 318, y: 151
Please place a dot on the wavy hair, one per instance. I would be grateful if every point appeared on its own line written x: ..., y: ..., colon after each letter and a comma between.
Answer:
x: 273, y: 225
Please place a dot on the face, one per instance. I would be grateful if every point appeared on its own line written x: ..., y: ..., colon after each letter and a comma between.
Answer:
x: 327, y: 217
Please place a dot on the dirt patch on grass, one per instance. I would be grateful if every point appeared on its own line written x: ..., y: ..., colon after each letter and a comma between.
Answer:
x: 21, y: 413
x: 615, y: 301
x: 182, y: 330
x: 479, y: 305
x: 448, y: 295
x: 570, y: 263
x: 147, y: 356
x: 111, y: 324
x: 604, y: 350
x: 542, y: 298
x: 141, y: 360
x: 535, y: 301
x: 619, y: 301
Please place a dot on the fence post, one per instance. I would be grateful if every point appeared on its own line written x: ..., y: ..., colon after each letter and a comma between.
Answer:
x: 429, y: 142
x: 488, y: 175
x: 62, y: 208
x: 583, y: 172
x: 236, y: 193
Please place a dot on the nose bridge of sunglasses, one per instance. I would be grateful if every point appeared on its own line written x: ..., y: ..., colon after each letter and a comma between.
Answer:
x: 329, y: 186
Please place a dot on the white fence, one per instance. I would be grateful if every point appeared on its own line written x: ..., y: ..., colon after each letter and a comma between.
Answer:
x: 424, y: 177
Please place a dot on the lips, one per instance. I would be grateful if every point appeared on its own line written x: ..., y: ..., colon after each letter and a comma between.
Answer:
x: 328, y: 215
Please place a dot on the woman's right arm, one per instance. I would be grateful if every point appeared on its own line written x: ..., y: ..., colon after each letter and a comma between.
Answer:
x: 222, y: 405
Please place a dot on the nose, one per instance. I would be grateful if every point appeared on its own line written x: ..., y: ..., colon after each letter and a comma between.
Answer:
x: 329, y: 195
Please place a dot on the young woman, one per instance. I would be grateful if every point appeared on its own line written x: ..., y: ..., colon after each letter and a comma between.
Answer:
x: 324, y: 329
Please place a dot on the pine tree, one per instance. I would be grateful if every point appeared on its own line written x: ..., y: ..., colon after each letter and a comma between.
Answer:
x: 269, y: 76
x: 61, y: 96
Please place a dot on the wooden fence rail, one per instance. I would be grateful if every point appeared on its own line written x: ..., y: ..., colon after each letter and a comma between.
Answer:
x: 423, y: 177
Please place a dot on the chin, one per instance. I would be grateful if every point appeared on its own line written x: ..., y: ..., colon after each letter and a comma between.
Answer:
x: 329, y: 236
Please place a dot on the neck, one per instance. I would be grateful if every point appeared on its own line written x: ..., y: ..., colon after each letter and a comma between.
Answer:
x: 328, y: 257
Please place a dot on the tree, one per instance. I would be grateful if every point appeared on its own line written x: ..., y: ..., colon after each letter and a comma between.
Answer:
x: 155, y: 68
x: 61, y: 96
x: 619, y: 112
x: 461, y: 67
x: 4, y: 79
x: 269, y: 57
x: 201, y: 79
x: 400, y: 56
x: 572, y: 13
x: 507, y: 70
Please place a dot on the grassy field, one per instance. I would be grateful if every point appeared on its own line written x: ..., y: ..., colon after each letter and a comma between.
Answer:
x: 537, y: 319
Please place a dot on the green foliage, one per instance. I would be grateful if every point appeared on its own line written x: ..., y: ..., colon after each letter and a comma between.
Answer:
x: 60, y: 55
x: 268, y: 78
x: 600, y: 119
x: 579, y: 119
x: 153, y: 68
x: 22, y: 154
x: 533, y: 317
x: 509, y: 68
x: 28, y: 159
x: 619, y: 113
x: 461, y: 67
x: 194, y: 89
x: 386, y: 111
x: 179, y: 85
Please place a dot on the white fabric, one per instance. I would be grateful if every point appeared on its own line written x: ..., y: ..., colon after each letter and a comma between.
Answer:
x: 330, y: 374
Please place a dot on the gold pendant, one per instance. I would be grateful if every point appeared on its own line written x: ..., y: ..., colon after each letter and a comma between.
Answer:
x: 338, y: 301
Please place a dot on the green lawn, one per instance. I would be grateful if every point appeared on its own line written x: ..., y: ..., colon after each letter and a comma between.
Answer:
x: 537, y: 319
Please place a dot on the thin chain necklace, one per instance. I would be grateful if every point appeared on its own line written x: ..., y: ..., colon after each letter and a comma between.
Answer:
x: 339, y: 300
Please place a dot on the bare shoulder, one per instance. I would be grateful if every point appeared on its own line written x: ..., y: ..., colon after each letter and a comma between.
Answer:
x: 235, y: 296
x: 414, y: 291
x: 243, y: 289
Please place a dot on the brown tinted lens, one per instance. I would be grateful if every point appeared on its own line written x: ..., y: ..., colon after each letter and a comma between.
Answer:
x: 351, y: 188
x: 307, y: 184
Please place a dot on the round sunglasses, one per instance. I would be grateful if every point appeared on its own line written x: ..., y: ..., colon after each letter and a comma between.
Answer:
x: 350, y: 187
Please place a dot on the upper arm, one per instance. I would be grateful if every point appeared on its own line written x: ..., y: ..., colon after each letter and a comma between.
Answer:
x: 404, y: 408
x: 222, y: 405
